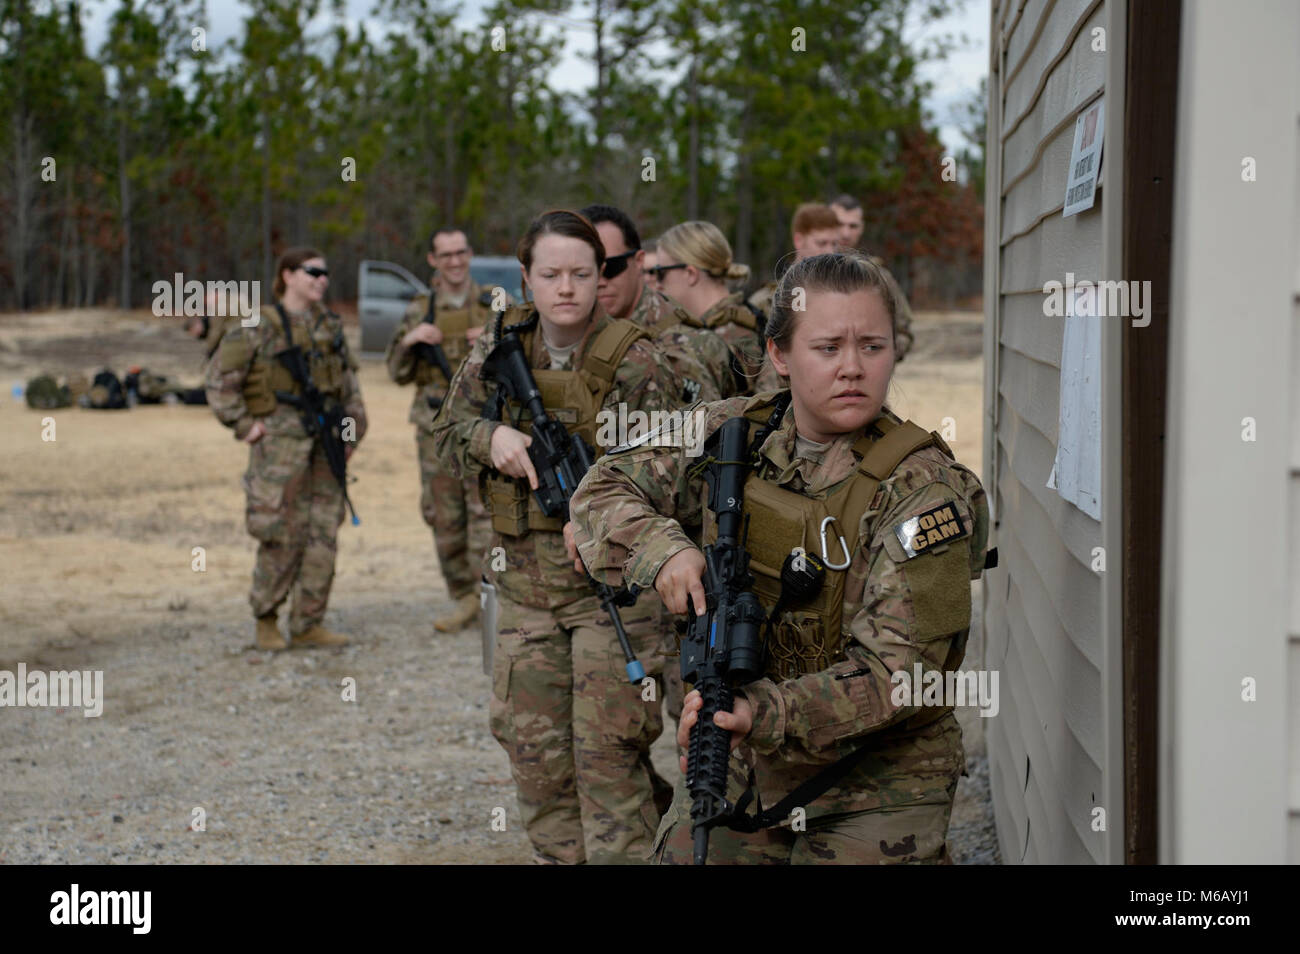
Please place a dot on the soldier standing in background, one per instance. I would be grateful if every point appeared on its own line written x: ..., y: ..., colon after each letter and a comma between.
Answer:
x: 577, y: 732
x: 701, y: 361
x: 849, y: 212
x: 294, y: 502
x: 826, y: 450
x: 694, y: 268
x: 461, y: 308
x: 815, y: 230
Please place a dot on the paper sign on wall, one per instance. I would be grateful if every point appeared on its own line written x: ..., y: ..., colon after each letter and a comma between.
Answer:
x: 1085, y: 159
x: 1076, y: 474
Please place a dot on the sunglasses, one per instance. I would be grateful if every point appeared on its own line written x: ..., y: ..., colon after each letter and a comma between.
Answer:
x: 315, y: 272
x: 616, y: 265
x: 657, y: 271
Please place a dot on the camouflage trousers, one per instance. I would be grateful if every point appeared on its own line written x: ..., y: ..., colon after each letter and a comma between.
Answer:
x: 452, y: 508
x: 899, y: 834
x: 577, y: 732
x: 293, y: 508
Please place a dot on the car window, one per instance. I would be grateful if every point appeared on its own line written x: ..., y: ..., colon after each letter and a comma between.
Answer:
x: 491, y: 275
x: 381, y: 283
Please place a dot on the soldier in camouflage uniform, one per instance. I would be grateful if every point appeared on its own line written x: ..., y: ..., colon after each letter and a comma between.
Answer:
x: 701, y: 362
x: 694, y: 267
x: 295, y: 505
x: 814, y: 230
x: 461, y: 309
x: 577, y: 732
x: 916, y: 524
x: 849, y: 212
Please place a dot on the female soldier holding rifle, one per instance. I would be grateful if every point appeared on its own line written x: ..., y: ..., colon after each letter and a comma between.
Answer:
x: 862, y: 535
x: 562, y: 707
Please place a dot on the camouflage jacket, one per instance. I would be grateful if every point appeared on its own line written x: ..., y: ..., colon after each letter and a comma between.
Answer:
x: 538, y: 571
x: 246, y: 355
x: 402, y: 362
x: 699, y: 361
x: 898, y: 612
x: 742, y: 330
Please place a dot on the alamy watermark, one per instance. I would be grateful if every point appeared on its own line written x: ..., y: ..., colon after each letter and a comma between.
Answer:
x: 132, y: 908
x: 619, y: 429
x: 194, y: 299
x: 75, y: 689
x: 1106, y: 299
x: 931, y: 687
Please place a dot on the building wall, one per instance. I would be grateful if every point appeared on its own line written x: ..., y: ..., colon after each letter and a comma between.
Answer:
x: 1050, y: 618
x: 1230, y: 611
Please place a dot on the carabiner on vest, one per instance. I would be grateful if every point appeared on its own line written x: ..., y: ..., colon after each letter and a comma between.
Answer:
x: 826, y: 557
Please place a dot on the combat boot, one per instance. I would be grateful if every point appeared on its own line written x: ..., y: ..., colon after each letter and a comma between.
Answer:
x: 318, y: 635
x: 268, y: 634
x: 465, y: 612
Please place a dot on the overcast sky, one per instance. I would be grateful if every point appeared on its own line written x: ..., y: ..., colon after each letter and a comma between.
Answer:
x: 955, y: 79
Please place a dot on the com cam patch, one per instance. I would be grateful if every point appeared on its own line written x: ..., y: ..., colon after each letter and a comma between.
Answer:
x: 927, y: 530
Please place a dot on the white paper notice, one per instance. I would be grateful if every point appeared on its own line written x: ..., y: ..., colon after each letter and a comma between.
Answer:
x: 1085, y: 159
x: 1077, y: 471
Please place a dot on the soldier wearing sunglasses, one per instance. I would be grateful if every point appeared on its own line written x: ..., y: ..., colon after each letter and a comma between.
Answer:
x: 695, y: 267
x: 700, y: 360
x: 294, y: 502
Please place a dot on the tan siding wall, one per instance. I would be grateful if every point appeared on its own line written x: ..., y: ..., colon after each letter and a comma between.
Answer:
x: 1043, y: 606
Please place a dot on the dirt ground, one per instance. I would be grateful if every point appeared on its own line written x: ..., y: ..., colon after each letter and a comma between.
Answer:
x: 98, y: 530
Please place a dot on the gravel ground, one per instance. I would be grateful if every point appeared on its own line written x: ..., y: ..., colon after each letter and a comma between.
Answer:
x: 96, y: 573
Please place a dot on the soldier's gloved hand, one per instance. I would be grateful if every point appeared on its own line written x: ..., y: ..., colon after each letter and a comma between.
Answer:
x: 738, y: 721
x: 510, y: 454
x: 682, y: 575
x: 423, y: 332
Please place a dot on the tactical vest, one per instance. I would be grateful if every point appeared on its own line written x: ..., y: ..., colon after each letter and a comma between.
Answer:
x: 573, y: 398
x: 682, y: 318
x: 809, y: 637
x: 327, y: 359
x: 735, y: 315
x: 455, y: 324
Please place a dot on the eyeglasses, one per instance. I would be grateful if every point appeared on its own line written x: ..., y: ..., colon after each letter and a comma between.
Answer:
x: 315, y: 272
x: 657, y: 271
x: 615, y: 265
x: 448, y: 256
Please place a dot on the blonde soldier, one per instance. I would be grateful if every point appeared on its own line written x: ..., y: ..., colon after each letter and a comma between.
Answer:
x: 849, y: 212
x: 902, y: 530
x: 575, y: 729
x: 461, y: 309
x: 295, y: 504
x: 694, y: 266
x: 701, y: 362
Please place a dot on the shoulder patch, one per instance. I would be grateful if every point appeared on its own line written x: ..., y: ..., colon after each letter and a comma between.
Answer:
x: 935, y: 526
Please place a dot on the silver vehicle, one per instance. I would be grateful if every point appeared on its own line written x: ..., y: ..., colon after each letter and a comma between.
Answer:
x: 384, y: 289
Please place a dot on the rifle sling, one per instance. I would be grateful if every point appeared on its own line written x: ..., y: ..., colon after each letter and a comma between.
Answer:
x: 803, y: 795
